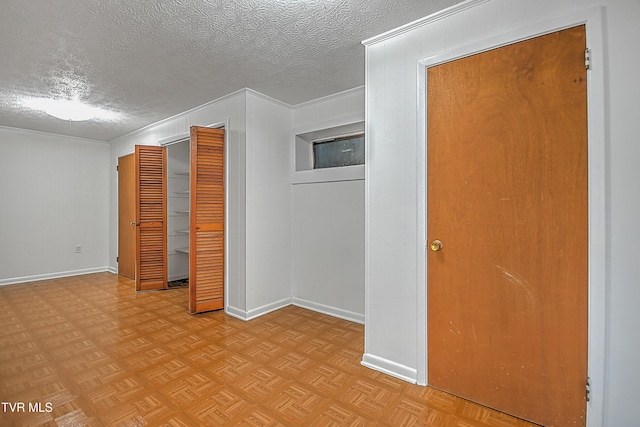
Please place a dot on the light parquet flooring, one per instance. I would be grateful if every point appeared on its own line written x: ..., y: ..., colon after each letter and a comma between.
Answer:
x: 92, y: 351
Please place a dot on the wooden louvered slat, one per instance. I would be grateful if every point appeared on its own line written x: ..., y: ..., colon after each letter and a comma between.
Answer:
x: 151, y: 212
x: 206, y: 252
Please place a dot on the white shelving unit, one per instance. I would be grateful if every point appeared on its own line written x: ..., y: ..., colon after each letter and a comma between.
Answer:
x: 178, y: 158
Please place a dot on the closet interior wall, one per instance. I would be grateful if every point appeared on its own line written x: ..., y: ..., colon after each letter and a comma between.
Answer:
x: 178, y: 210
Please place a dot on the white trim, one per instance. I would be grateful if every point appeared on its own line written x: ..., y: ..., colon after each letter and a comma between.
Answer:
x: 598, y: 240
x: 224, y: 125
x: 328, y: 124
x: 235, y: 312
x: 181, y: 114
x: 298, y: 302
x: 328, y: 97
x: 345, y: 173
x: 58, y: 135
x: 389, y: 367
x: 367, y: 228
x: 175, y: 139
x: 113, y: 270
x: 268, y: 308
x: 184, y: 137
x: 257, y: 312
x: 351, y: 316
x: 57, y: 275
x: 598, y: 254
x: 268, y: 98
x: 348, y: 135
x: 445, y: 13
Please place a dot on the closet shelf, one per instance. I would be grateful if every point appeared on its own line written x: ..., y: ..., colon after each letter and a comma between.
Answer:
x: 185, y: 192
x: 182, y: 250
x: 182, y: 231
x: 182, y: 212
x: 182, y: 173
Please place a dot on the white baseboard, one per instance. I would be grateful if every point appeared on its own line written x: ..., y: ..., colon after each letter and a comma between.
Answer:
x: 57, y: 275
x: 236, y: 312
x: 268, y: 308
x: 257, y: 312
x: 299, y: 302
x: 390, y: 368
x: 329, y: 310
x: 112, y: 270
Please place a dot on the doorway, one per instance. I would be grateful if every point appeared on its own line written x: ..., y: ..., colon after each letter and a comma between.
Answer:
x: 126, y: 217
x: 196, y: 207
x: 508, y: 226
x: 178, y: 154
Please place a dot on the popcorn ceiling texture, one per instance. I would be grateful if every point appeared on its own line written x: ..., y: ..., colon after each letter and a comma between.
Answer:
x: 151, y: 60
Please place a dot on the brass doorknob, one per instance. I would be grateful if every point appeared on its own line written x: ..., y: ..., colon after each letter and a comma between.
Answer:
x: 436, y: 245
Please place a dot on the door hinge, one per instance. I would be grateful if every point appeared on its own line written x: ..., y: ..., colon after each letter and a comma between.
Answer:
x: 117, y: 259
x: 117, y: 168
x: 588, y: 390
x: 587, y: 59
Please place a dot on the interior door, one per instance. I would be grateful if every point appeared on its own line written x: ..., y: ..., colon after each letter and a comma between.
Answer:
x: 507, y: 225
x: 126, y: 217
x: 206, y: 220
x: 151, y: 214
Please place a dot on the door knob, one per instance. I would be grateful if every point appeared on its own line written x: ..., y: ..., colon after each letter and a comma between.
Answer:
x: 133, y: 223
x: 436, y: 245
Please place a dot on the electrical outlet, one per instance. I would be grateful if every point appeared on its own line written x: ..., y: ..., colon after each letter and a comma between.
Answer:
x: 78, y: 249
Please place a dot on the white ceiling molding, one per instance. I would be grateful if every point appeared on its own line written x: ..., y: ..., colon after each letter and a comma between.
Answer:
x: 468, y: 4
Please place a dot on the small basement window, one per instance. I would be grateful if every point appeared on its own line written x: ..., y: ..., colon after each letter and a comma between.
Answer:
x: 339, y: 151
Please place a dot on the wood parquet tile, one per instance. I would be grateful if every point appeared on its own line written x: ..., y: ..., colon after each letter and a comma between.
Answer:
x: 89, y: 350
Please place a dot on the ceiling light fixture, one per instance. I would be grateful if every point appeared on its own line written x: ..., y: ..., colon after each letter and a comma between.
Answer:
x: 72, y: 110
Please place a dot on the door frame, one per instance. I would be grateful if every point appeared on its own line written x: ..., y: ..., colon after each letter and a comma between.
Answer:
x: 118, y: 255
x: 597, y: 178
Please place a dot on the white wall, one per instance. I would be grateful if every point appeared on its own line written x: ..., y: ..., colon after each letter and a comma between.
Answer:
x: 623, y: 339
x: 327, y: 241
x: 391, y: 335
x: 328, y: 248
x: 268, y: 205
x: 54, y: 196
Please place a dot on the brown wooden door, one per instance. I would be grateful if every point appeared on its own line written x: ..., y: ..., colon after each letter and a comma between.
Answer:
x: 507, y: 196
x: 206, y: 220
x: 126, y: 217
x: 151, y: 214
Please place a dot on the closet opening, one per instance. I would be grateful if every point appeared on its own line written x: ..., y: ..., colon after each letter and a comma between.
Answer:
x: 179, y: 225
x: 195, y: 216
x: 178, y: 171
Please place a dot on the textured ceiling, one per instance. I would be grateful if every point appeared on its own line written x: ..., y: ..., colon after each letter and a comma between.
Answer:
x: 149, y: 60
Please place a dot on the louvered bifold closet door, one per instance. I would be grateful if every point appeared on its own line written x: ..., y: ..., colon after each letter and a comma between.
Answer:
x: 151, y: 214
x: 206, y: 220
